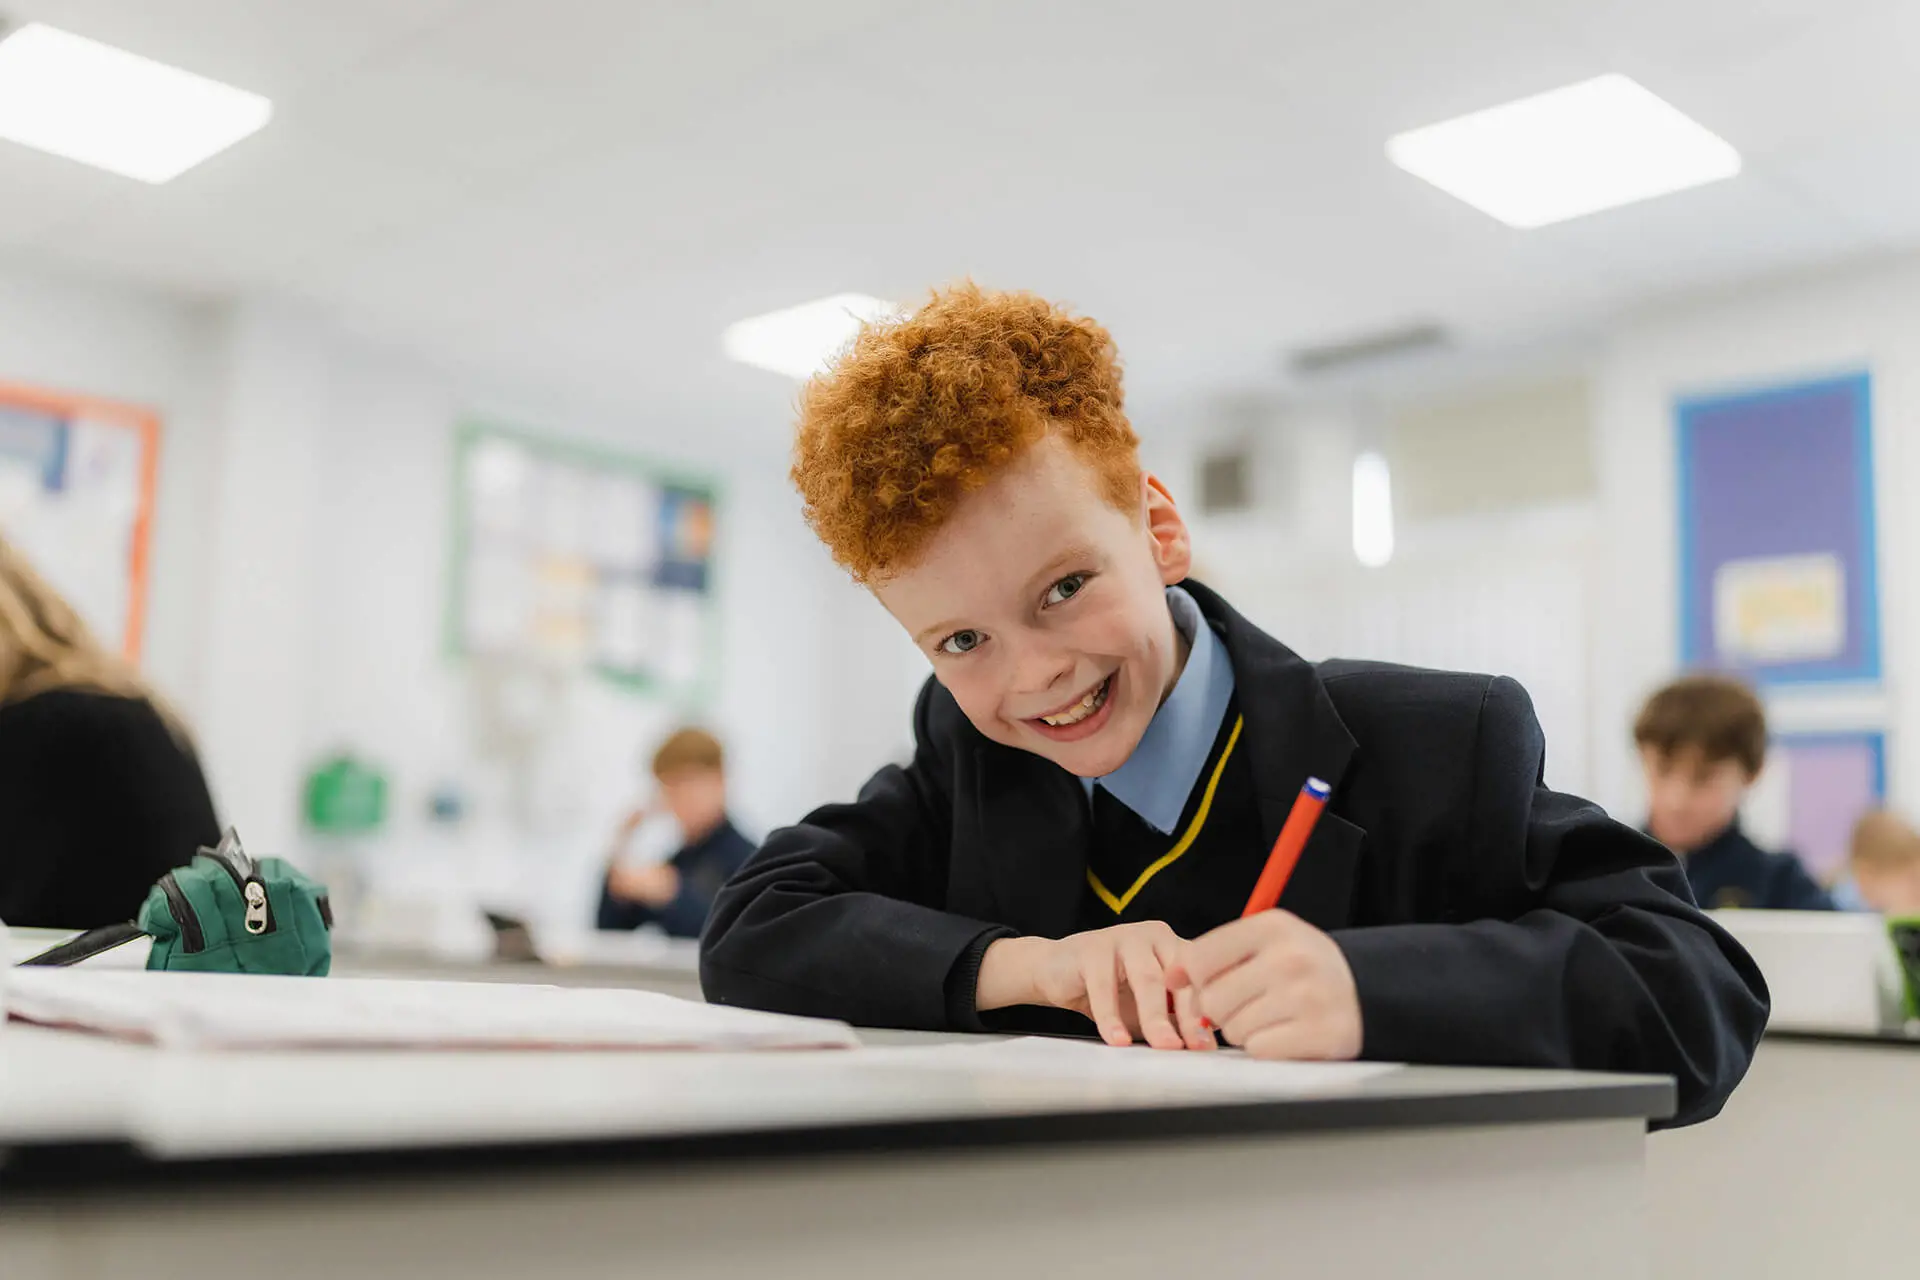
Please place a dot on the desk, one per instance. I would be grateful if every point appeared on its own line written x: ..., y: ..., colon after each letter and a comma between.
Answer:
x: 667, y: 965
x: 1808, y: 1172
x: 828, y: 1164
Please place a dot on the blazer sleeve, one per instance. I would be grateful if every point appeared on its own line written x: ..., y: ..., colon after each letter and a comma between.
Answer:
x: 1794, y: 890
x: 838, y: 917
x: 1577, y: 944
x: 614, y: 912
x: 686, y: 914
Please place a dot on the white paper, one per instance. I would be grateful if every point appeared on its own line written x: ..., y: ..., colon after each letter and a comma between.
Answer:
x: 625, y: 631
x: 234, y: 1011
x: 623, y: 530
x: 1228, y: 1070
x: 499, y: 487
x: 682, y: 651
x: 1780, y: 608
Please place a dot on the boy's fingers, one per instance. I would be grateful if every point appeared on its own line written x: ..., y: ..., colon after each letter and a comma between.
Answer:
x: 1222, y: 948
x: 1232, y: 990
x: 1149, y: 996
x: 1186, y: 1011
x: 1103, y: 1000
x: 1296, y: 1039
x: 1257, y: 1017
x: 1173, y: 955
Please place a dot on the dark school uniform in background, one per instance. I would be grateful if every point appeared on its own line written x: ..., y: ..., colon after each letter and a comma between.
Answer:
x: 1733, y: 871
x: 1486, y: 919
x: 98, y: 800
x: 703, y: 865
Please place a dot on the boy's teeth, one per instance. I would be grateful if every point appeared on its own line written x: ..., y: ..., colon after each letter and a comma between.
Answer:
x: 1078, y: 712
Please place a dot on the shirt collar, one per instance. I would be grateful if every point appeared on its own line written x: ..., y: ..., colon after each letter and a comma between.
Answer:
x: 1158, y: 777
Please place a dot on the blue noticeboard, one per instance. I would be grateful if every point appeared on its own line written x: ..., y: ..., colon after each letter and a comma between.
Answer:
x: 1776, y: 522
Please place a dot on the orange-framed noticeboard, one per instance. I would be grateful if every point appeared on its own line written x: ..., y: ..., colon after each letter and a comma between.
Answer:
x: 77, y: 479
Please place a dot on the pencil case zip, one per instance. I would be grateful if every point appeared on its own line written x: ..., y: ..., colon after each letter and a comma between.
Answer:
x: 193, y: 938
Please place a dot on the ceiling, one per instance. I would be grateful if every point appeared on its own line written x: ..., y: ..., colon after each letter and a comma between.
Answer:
x: 583, y: 193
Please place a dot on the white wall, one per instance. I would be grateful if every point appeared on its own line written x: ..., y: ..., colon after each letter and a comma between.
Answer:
x: 1504, y: 592
x: 1867, y: 316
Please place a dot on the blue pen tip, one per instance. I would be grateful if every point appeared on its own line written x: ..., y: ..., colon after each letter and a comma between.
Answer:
x: 1318, y: 789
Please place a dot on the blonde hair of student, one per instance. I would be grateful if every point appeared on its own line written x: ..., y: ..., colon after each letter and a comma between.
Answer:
x: 1885, y: 840
x: 45, y: 645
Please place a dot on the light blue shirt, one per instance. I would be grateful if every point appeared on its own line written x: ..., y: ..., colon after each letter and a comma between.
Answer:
x: 1160, y: 774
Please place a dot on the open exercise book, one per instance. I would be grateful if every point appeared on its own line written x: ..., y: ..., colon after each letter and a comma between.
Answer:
x: 244, y: 1011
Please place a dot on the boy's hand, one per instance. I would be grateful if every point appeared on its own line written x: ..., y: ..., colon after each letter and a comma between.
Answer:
x: 1117, y: 977
x: 653, y: 886
x: 1274, y: 985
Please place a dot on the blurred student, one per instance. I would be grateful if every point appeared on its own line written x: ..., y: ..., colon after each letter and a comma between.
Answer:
x: 1884, y: 862
x: 1703, y: 740
x: 100, y: 790
x: 690, y: 770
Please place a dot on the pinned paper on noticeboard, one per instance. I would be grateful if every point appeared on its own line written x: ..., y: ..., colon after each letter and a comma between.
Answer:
x: 1777, y: 609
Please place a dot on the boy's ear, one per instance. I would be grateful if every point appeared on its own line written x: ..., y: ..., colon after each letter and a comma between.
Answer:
x: 1166, y: 530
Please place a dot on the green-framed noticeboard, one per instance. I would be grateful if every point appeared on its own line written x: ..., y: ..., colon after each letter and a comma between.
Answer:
x: 568, y: 555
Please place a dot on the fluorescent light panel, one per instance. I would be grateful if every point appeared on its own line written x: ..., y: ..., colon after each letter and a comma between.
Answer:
x: 115, y: 110
x: 1372, y: 510
x: 801, y: 341
x: 1590, y: 146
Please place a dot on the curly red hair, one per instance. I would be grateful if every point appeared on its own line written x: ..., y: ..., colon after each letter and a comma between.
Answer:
x: 921, y: 411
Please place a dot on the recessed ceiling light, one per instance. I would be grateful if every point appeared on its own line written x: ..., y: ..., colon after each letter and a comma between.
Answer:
x: 1590, y: 146
x: 799, y: 341
x: 116, y: 110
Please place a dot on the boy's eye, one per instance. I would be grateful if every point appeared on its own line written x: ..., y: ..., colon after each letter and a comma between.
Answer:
x: 1067, y: 588
x: 961, y: 642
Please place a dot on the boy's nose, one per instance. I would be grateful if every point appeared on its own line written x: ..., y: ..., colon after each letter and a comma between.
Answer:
x: 1042, y: 671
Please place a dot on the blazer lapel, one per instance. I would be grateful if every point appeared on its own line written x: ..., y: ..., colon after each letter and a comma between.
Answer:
x: 1292, y: 733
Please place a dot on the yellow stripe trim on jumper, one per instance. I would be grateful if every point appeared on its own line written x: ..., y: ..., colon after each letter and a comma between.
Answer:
x: 1119, y: 904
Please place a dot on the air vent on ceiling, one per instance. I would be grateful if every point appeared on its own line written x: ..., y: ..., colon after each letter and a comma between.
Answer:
x: 1367, y: 349
x: 1226, y: 481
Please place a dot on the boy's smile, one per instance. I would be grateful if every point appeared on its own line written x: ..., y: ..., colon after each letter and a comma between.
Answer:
x: 1042, y: 607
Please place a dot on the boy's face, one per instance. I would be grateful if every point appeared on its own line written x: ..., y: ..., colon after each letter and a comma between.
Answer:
x: 1691, y: 799
x: 1043, y: 609
x: 697, y: 798
x: 1890, y: 890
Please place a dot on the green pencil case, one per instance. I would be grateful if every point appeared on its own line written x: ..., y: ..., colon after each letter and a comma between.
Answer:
x: 224, y: 913
x: 1905, y: 932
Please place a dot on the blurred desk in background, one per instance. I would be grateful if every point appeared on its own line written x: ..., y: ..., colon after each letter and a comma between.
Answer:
x: 643, y: 961
x: 1808, y: 1172
x: 122, y: 1159
x: 647, y: 962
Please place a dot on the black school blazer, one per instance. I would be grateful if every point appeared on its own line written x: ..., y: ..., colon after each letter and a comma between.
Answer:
x: 1487, y: 920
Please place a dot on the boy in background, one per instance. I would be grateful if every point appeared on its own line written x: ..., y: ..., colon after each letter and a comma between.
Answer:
x: 1884, y: 862
x: 690, y: 770
x: 1703, y: 740
x: 1108, y: 750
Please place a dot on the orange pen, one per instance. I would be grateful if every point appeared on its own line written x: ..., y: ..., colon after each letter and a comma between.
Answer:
x: 1286, y: 850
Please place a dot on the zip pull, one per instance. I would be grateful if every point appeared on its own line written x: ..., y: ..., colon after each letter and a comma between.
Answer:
x: 256, y: 894
x: 229, y: 853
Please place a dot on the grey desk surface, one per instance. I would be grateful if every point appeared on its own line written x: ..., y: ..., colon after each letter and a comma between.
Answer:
x: 78, y: 1111
x: 1907, y: 1037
